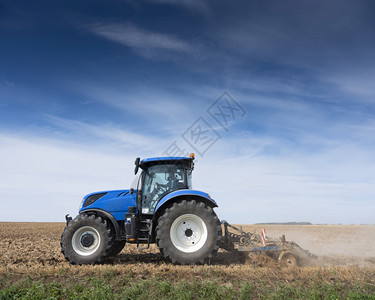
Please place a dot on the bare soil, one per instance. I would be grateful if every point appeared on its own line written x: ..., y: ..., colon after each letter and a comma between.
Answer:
x: 33, y: 249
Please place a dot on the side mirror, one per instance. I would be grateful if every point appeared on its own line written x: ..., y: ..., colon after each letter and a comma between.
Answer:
x: 131, y: 192
x: 138, y: 159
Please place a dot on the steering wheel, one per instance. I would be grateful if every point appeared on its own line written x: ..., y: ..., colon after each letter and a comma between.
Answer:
x: 159, y: 187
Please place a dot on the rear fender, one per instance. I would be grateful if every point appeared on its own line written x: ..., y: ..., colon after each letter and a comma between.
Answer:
x: 206, y: 198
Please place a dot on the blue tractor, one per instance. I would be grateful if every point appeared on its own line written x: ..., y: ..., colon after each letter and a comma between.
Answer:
x: 163, y: 209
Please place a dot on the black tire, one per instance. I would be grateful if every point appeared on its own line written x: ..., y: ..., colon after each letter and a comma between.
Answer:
x: 86, y: 240
x: 117, y: 247
x: 188, y: 233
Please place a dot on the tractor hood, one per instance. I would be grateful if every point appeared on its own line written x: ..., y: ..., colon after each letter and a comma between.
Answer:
x: 115, y: 202
x: 89, y: 199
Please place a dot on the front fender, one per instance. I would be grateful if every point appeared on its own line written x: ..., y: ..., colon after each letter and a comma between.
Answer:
x: 206, y: 198
x: 101, y: 212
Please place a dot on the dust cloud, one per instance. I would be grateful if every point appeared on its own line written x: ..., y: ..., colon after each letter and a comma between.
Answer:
x: 335, y: 245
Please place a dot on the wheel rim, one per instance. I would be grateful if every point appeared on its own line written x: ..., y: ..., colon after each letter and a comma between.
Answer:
x: 86, y: 240
x: 288, y: 260
x: 188, y: 233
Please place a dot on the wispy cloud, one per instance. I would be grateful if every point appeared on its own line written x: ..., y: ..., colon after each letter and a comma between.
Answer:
x: 108, y: 134
x: 9, y: 84
x: 357, y: 84
x: 143, y: 41
x: 339, y: 56
x: 270, y: 32
x: 151, y: 105
x: 193, y: 5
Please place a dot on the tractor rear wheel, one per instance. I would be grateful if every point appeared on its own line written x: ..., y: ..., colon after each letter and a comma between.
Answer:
x: 189, y: 232
x: 86, y: 240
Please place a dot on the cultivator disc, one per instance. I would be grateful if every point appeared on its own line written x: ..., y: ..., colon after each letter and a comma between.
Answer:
x: 288, y: 254
x: 287, y: 259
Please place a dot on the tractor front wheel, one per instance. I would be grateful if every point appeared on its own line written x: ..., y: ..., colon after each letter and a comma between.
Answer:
x: 86, y: 240
x: 189, y: 232
x: 117, y: 247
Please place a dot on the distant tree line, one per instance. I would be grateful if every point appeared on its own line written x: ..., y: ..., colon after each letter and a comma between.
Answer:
x: 285, y: 223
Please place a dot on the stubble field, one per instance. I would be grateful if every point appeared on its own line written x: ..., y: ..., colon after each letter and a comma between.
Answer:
x: 32, y: 266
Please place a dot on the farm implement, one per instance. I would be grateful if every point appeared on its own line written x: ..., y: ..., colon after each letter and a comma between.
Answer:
x: 286, y: 253
x: 162, y: 208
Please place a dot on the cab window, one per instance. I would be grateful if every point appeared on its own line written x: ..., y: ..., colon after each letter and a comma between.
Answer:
x: 160, y: 180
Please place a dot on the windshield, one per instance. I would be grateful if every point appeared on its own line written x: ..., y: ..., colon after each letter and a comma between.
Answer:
x: 160, y: 180
x: 134, y: 184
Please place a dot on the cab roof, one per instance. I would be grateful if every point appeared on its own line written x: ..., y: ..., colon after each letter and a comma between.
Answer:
x: 165, y: 160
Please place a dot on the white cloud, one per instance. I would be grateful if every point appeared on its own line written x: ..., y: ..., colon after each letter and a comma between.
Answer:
x: 43, y: 179
x: 113, y: 135
x: 325, y: 187
x: 139, y: 39
x: 355, y: 84
x: 167, y: 111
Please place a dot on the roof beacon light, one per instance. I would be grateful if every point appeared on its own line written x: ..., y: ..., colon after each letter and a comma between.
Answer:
x: 192, y: 156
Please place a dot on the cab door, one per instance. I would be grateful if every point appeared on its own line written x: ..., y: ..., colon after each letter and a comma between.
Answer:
x: 160, y: 180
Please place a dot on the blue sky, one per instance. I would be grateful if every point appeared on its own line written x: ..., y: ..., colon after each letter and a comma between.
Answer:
x: 87, y: 86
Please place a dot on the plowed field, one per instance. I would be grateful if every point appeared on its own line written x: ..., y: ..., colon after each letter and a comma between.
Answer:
x: 347, y: 252
x: 36, y: 246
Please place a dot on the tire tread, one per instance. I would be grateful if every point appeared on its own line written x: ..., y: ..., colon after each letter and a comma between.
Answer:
x: 168, y: 252
x: 84, y: 219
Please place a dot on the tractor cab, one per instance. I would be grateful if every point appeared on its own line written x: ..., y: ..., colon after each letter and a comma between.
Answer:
x: 159, y: 177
